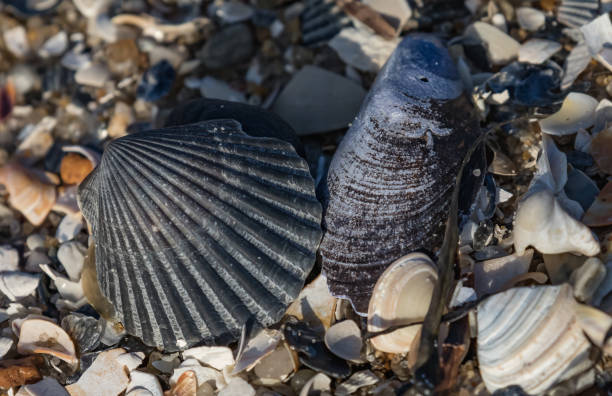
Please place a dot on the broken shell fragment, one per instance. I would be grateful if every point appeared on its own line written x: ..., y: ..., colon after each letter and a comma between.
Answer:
x: 600, y: 212
x: 401, y: 296
x: 256, y: 349
x: 17, y: 285
x: 529, y: 336
x: 597, y: 325
x: 232, y: 218
x: 344, y: 340
x: 33, y: 198
x: 601, y: 146
x: 491, y: 275
x: 42, y: 336
x: 577, y: 111
x: 542, y: 223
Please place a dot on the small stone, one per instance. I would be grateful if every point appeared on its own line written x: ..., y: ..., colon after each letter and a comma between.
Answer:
x: 157, y: 81
x: 217, y: 357
x: 530, y: 19
x: 537, y: 51
x: 231, y: 45
x: 48, y: 386
x: 55, y: 46
x: 16, y: 41
x: 587, y: 279
x: 237, y: 386
x: 17, y: 285
x: 68, y: 228
x: 72, y: 256
x: 233, y: 12
x: 123, y: 57
x: 94, y: 75
x: 363, y: 50
x: 35, y: 242
x: 216, y: 89
x: 122, y: 117
x: 37, y: 141
x: 501, y: 48
x: 317, y: 101
x: 9, y: 259
x: 74, y: 168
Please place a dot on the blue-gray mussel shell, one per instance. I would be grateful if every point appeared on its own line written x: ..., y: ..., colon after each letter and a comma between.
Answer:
x: 390, y: 182
x: 199, y: 228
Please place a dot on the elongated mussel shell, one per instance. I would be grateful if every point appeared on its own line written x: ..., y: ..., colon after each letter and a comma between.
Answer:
x: 199, y: 228
x: 390, y: 182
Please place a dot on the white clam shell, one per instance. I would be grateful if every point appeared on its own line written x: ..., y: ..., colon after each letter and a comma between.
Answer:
x: 344, y: 340
x: 42, y: 336
x: 402, y: 294
x: 577, y: 111
x: 529, y: 336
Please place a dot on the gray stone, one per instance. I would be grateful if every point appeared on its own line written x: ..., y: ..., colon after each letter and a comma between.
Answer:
x: 232, y: 45
x: 9, y: 258
x: 530, y: 19
x: 317, y: 101
x: 587, y: 278
x: 95, y: 75
x: 35, y: 259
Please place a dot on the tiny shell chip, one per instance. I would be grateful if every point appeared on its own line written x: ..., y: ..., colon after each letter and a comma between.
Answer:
x: 199, y: 228
x: 577, y: 111
x: 216, y: 357
x: 17, y: 285
x: 41, y: 336
x: 401, y: 295
x: 600, y: 212
x: 344, y: 340
x: 33, y: 198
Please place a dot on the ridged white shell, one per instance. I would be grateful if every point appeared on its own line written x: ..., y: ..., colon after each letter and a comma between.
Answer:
x: 199, y: 228
x: 530, y: 337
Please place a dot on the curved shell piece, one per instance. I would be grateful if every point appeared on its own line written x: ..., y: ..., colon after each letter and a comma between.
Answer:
x: 199, y: 228
x: 577, y: 111
x: 530, y: 337
x: 42, y: 336
x: 401, y: 295
x: 390, y: 181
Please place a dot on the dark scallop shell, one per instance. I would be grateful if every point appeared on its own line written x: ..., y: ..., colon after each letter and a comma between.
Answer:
x: 390, y: 182
x: 199, y: 228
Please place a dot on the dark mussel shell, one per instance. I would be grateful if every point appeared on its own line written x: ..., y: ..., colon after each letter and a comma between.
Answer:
x: 390, y: 182
x: 199, y: 228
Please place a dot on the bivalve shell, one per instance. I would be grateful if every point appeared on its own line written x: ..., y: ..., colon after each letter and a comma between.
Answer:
x: 530, y: 337
x: 199, y: 228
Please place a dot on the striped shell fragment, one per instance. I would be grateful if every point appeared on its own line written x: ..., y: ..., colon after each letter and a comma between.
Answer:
x: 199, y: 228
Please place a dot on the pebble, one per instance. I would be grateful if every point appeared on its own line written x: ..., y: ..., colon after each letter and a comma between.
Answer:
x: 500, y: 47
x: 122, y: 117
x: 35, y: 242
x: 530, y: 19
x: 48, y: 386
x: 25, y: 78
x: 365, y: 51
x: 156, y: 82
x: 68, y: 228
x: 94, y: 75
x: 317, y: 101
x: 54, y: 46
x: 16, y: 41
x: 537, y: 51
x: 212, y: 88
x: 36, y: 141
x: 9, y: 259
x: 42, y: 336
x: 231, y: 45
x: 237, y: 386
x: 72, y: 256
x: 587, y: 278
x: 17, y: 285
x: 233, y: 11
x: 601, y: 147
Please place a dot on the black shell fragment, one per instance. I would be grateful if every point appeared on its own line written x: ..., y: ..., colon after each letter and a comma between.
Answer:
x: 198, y: 228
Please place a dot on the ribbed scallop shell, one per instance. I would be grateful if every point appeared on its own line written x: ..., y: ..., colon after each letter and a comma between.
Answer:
x: 530, y: 337
x: 390, y: 181
x: 198, y: 228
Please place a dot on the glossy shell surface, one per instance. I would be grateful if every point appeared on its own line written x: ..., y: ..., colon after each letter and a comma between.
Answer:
x: 390, y: 181
x: 199, y: 228
x: 530, y: 336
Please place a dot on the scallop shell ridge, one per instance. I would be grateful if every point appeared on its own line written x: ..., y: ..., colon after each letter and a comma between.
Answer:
x: 198, y: 228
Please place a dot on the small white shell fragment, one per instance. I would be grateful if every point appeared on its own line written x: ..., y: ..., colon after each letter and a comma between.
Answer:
x: 529, y: 336
x: 68, y: 228
x: 317, y: 385
x: 95, y: 75
x: 203, y: 374
x: 275, y: 367
x: 529, y: 18
x: 130, y: 360
x: 596, y: 324
x: 68, y: 289
x: 213, y: 88
x: 6, y: 344
x: 361, y: 49
x: 56, y: 45
x: 213, y: 356
x: 106, y: 376
x: 9, y: 258
x: 587, y: 278
x: 237, y: 387
x: 343, y: 339
x: 314, y: 305
x: 356, y: 381
x: 402, y: 294
x: 16, y: 41
x: 537, y: 51
x: 17, y: 285
x: 575, y: 63
x: 140, y: 380
x: 597, y: 33
x: 491, y: 275
x: 542, y: 223
x: 72, y: 257
x: 48, y: 386
x: 257, y: 348
x: 577, y: 111
x: 501, y: 48
x: 42, y: 336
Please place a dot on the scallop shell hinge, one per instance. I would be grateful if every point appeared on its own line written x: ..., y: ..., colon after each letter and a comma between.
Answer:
x: 199, y: 228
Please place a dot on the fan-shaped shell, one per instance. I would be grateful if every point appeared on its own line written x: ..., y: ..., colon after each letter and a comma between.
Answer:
x: 390, y: 182
x: 530, y: 337
x: 199, y: 228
